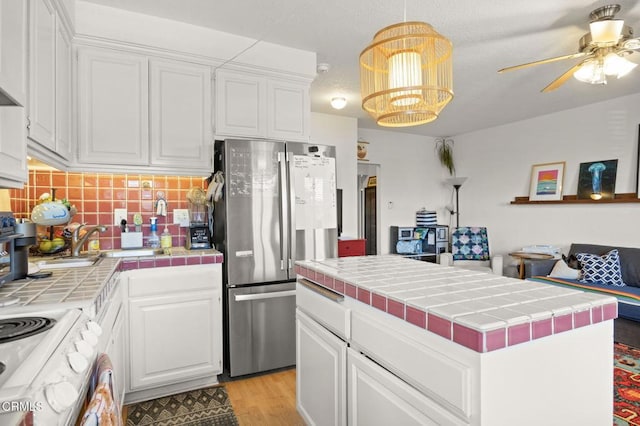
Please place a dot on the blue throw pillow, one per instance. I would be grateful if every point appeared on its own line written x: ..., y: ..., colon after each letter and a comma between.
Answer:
x: 603, y: 269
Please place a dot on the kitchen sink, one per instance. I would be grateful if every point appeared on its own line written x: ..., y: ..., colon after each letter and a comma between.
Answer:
x: 132, y: 252
x: 67, y: 262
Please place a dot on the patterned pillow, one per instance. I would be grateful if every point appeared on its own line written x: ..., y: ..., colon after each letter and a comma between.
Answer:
x: 470, y: 243
x: 603, y: 269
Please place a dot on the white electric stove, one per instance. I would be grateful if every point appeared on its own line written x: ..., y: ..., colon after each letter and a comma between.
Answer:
x: 46, y: 362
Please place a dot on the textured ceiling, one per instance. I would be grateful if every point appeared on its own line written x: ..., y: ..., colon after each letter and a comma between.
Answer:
x: 487, y: 35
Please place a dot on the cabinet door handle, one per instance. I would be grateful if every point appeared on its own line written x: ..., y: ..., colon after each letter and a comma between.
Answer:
x: 322, y: 291
x: 261, y: 296
x: 28, y: 123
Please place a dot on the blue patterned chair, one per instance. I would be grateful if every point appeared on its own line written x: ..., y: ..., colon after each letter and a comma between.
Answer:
x: 470, y: 250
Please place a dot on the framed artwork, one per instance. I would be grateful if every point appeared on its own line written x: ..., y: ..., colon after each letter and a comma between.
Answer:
x: 546, y: 181
x: 597, y: 180
x: 373, y: 181
x: 362, y: 151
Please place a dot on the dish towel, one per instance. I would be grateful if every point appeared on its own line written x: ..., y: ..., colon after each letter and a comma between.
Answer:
x: 103, y: 408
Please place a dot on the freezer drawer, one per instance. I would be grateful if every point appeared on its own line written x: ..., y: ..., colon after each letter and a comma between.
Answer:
x: 261, y: 328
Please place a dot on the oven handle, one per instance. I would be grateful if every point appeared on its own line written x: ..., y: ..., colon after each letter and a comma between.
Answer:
x: 261, y: 296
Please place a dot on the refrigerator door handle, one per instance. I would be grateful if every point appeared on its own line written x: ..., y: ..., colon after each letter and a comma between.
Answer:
x: 284, y: 211
x: 262, y: 296
x: 290, y: 224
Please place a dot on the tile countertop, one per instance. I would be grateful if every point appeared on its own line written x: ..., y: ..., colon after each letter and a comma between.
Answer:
x: 88, y: 287
x: 480, y: 311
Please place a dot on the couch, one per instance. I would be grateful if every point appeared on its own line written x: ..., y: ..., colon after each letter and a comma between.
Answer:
x: 628, y: 295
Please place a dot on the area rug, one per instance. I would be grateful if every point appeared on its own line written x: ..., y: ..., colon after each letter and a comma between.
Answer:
x: 626, y: 393
x: 201, y: 407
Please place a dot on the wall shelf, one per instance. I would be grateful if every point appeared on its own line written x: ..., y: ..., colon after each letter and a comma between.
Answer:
x: 630, y: 197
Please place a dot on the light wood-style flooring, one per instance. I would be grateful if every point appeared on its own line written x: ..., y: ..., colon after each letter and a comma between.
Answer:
x: 265, y: 400
x: 268, y: 399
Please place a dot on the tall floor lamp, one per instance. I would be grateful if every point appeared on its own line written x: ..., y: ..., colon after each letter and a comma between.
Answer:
x: 457, y: 182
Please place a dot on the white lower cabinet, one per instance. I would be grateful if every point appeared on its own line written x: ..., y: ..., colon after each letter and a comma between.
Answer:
x: 321, y: 361
x: 116, y: 349
x: 377, y: 397
x: 174, y: 325
x: 341, y: 381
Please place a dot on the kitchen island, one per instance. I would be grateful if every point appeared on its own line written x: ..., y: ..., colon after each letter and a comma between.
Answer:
x: 393, y: 340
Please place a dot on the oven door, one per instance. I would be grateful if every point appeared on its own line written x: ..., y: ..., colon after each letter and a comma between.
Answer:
x: 262, y: 321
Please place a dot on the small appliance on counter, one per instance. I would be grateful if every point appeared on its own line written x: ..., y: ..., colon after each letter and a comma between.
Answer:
x: 22, y: 244
x: 198, y: 234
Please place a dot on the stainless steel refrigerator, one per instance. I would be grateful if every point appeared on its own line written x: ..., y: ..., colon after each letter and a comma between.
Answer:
x: 279, y: 205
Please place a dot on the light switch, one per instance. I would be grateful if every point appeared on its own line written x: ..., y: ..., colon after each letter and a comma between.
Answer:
x: 181, y: 217
x: 118, y: 215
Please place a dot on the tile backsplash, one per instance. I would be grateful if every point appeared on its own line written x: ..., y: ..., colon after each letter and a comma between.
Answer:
x: 96, y: 195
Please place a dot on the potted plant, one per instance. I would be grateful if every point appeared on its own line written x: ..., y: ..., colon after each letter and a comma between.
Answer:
x: 444, y: 149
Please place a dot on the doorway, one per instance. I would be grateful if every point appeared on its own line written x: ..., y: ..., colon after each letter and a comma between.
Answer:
x: 368, y: 206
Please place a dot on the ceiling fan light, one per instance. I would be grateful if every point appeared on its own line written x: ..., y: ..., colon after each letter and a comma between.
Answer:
x: 591, y: 72
x: 606, y: 31
x: 615, y: 64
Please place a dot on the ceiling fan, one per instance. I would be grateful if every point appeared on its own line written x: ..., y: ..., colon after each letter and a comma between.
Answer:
x: 603, y: 50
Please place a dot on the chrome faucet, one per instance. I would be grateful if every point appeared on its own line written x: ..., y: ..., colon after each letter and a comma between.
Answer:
x: 77, y: 242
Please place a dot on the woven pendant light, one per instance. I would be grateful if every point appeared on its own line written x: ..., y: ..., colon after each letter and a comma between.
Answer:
x: 406, y: 75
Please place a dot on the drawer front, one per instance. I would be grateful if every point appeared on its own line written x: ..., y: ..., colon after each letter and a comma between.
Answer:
x: 377, y: 397
x: 351, y: 248
x: 440, y: 377
x: 331, y: 314
x: 175, y: 279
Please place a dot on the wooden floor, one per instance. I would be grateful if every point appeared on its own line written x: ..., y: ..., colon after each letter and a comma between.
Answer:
x: 268, y: 399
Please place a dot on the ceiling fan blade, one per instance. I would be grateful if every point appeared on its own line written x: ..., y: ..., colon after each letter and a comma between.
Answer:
x: 631, y: 44
x: 562, y: 79
x: 544, y: 61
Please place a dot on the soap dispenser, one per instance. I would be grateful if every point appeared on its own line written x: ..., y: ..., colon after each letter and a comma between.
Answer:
x: 165, y: 238
x: 154, y: 239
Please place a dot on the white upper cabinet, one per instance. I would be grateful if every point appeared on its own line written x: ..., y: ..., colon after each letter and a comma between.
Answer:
x: 256, y: 106
x: 240, y: 104
x: 49, y: 107
x: 13, y: 138
x: 63, y: 92
x: 113, y: 96
x: 288, y: 110
x: 180, y: 102
x: 42, y: 73
x: 13, y: 48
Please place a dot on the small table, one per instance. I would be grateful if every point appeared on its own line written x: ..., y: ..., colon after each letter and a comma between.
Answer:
x: 522, y: 255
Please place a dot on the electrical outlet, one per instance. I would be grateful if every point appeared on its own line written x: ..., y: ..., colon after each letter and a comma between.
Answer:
x: 181, y: 217
x: 118, y: 215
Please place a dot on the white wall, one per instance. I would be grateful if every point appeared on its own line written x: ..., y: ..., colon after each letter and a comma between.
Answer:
x: 410, y: 178
x: 341, y: 132
x: 498, y: 163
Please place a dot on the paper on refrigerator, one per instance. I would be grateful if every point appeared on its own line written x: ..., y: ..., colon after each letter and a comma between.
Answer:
x: 315, y: 192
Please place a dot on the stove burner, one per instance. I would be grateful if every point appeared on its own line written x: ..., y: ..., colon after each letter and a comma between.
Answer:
x: 18, y: 328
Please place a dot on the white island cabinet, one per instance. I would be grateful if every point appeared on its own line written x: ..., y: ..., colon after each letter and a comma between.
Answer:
x: 395, y: 341
x: 174, y: 329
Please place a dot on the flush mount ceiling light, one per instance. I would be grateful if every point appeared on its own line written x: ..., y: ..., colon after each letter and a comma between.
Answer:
x: 406, y: 76
x: 338, y: 102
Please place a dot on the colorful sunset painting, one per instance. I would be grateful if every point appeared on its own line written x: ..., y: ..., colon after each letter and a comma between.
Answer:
x: 547, y: 182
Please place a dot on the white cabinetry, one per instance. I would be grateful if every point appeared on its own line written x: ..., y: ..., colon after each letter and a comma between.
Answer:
x: 42, y: 73
x: 174, y: 326
x: 181, y: 132
x: 13, y: 142
x: 13, y: 49
x: 49, y: 108
x: 377, y: 397
x: 139, y: 110
x: 63, y: 92
x: 113, y: 107
x: 321, y: 360
x: 252, y: 105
